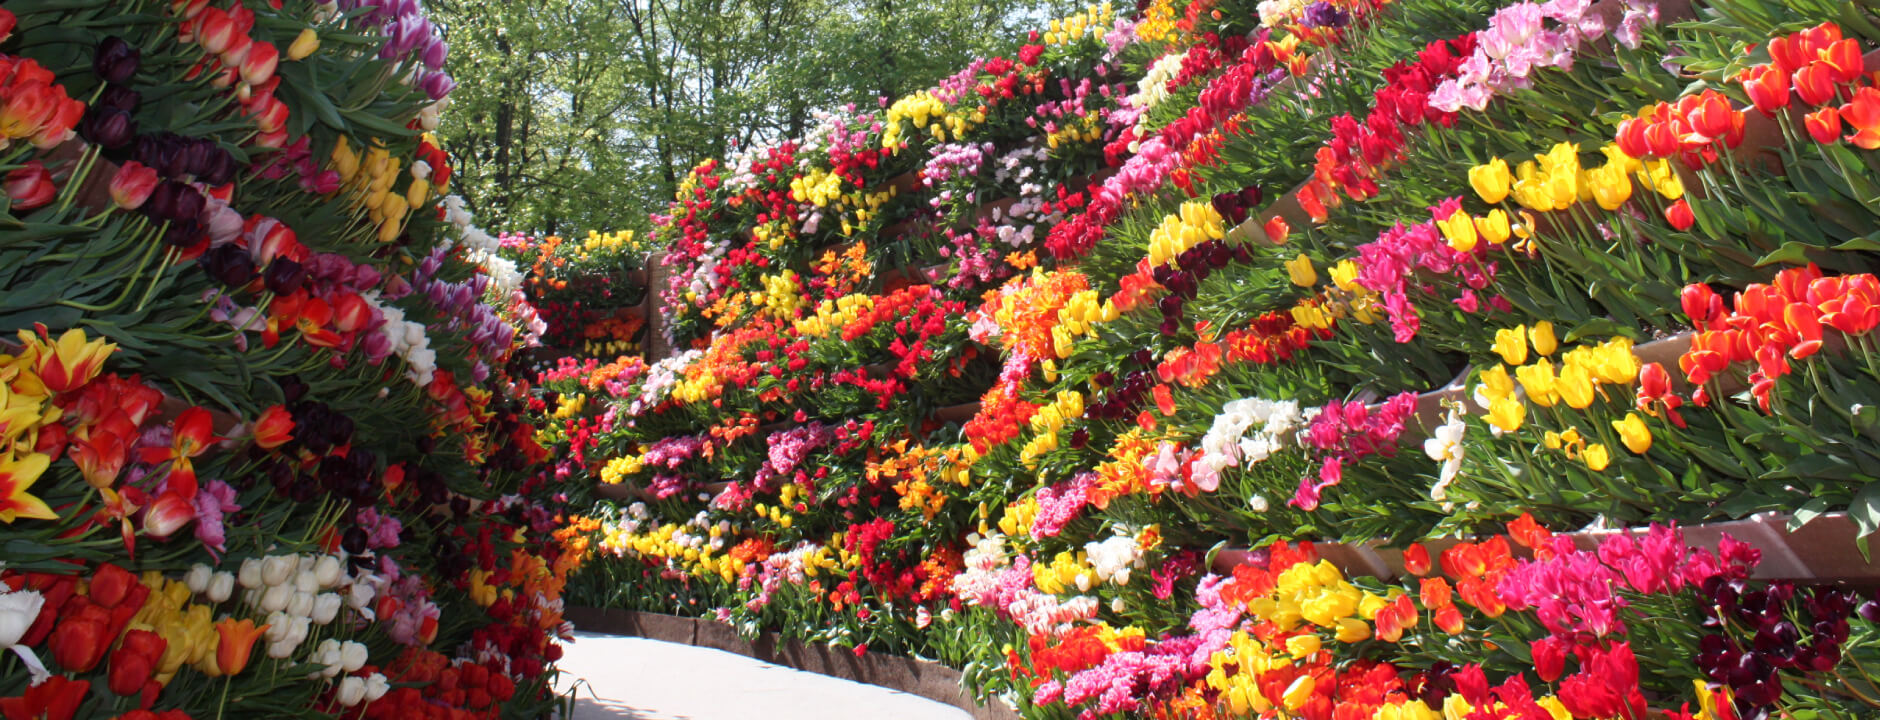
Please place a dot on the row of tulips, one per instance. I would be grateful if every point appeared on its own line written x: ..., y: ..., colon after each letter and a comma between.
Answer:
x: 265, y: 442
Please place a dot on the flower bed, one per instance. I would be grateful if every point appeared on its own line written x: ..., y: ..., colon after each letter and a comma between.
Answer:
x: 265, y: 445
x: 1367, y: 275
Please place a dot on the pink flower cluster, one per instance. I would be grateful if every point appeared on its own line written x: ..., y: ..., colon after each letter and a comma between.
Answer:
x: 1059, y: 504
x: 1389, y: 264
x: 1348, y: 432
x: 1573, y: 591
x: 1518, y: 42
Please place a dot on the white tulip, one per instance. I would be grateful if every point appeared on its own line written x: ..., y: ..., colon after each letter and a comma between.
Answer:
x: 276, y: 569
x: 221, y: 586
x: 306, y: 581
x: 325, y: 608
x: 251, y: 573
x: 277, y: 626
x: 376, y: 687
x: 275, y: 598
x: 327, y: 570
x: 351, y: 691
x: 198, y: 578
x: 301, y: 605
x: 352, y: 656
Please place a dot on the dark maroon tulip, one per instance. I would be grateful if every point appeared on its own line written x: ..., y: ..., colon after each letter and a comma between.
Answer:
x: 115, y: 60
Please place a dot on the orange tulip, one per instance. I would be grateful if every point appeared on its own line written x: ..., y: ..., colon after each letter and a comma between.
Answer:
x: 1416, y: 560
x: 1767, y: 87
x: 132, y: 185
x: 1815, y: 83
x: 1863, y: 114
x: 1824, y: 125
x: 237, y: 641
x: 274, y: 428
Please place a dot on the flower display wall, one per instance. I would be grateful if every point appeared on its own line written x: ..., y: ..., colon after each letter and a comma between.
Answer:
x: 265, y: 445
x: 1521, y: 309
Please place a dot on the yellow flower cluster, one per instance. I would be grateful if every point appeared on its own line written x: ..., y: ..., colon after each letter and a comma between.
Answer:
x: 1065, y: 571
x: 1304, y: 593
x: 1079, y: 318
x: 832, y: 315
x: 612, y: 242
x: 370, y: 178
x: 817, y: 187
x: 1346, y: 298
x: 927, y: 114
x: 1084, y: 129
x: 1094, y: 21
x: 620, y: 468
x: 188, y: 628
x: 1555, y: 180
x: 1016, y: 522
x: 1580, y: 377
x: 1456, y: 707
x: 1197, y: 222
x: 1158, y: 21
x: 1049, y: 419
x: 783, y: 294
x: 570, y: 406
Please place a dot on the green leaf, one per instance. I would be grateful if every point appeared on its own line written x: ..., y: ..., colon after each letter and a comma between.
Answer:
x: 1865, y: 510
x: 1791, y: 253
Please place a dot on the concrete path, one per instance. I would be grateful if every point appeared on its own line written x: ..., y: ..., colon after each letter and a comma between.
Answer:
x: 628, y: 678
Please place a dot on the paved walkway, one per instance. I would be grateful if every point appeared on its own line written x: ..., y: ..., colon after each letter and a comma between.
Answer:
x: 619, y: 678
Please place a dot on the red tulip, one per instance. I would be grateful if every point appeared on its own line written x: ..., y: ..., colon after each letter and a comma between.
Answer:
x: 132, y: 185
x: 259, y: 66
x: 170, y: 513
x: 1662, y: 139
x: 7, y: 23
x: 133, y: 663
x: 80, y: 639
x: 1789, y: 52
x: 1416, y: 560
x: 1712, y: 115
x: 29, y: 187
x: 1701, y: 305
x: 215, y: 30
x: 1824, y: 125
x: 55, y: 699
x: 350, y: 313
x: 1803, y: 320
x: 1815, y: 83
x: 1768, y: 88
x: 1844, y: 57
x: 1863, y: 114
x: 1550, y: 658
x: 1631, y: 138
x: 110, y: 585
x: 1679, y: 215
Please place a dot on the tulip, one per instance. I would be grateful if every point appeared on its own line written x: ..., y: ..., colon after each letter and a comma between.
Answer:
x: 1679, y: 215
x: 1844, y: 56
x: 1550, y: 658
x: 1491, y: 181
x: 78, y: 643
x: 1542, y: 335
x: 236, y: 642
x: 304, y: 44
x: 1596, y: 457
x: 1493, y: 227
x: 72, y: 361
x: 1299, y: 269
x: 1416, y: 560
x: 134, y: 662
x: 57, y: 698
x: 115, y: 61
x: 1633, y: 432
x: 29, y: 187
x: 1862, y: 113
x: 169, y: 513
x: 1511, y: 345
x: 229, y: 264
x: 1824, y: 125
x: 215, y: 30
x: 110, y: 585
x: 1767, y: 87
x: 1815, y: 83
x: 1459, y: 229
x: 1575, y: 386
x: 274, y: 428
x: 284, y: 276
x: 132, y: 185
x: 260, y: 63
x: 1713, y: 117
x: 122, y: 98
x: 108, y: 127
x: 7, y: 23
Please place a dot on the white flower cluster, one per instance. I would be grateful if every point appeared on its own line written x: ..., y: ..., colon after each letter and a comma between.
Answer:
x: 1274, y: 13
x: 660, y: 378
x: 297, y: 592
x: 1227, y: 443
x: 408, y: 341
x: 984, y: 561
x: 348, y: 657
x: 1153, y: 88
x: 475, y: 240
x: 1112, y: 559
x: 1445, y: 446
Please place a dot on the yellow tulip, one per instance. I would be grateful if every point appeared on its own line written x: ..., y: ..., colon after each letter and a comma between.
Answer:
x: 1459, y: 229
x: 1301, y: 646
x: 1633, y: 433
x: 1511, y: 344
x: 1506, y: 414
x: 1351, y: 630
x: 1298, y: 692
x: 1538, y: 381
x: 1490, y: 181
x: 1596, y: 457
x: 304, y: 44
x: 1496, y: 384
x: 1493, y: 227
x: 1301, y: 272
x: 1542, y: 335
x: 1575, y: 386
x: 1345, y: 275
x: 1610, y: 186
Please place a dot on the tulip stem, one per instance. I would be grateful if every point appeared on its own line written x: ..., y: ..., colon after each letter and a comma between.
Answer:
x: 122, y: 294
x: 169, y: 255
x: 80, y: 169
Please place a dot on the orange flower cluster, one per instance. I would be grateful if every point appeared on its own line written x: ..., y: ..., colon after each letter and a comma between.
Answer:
x: 32, y: 106
x: 1027, y: 310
